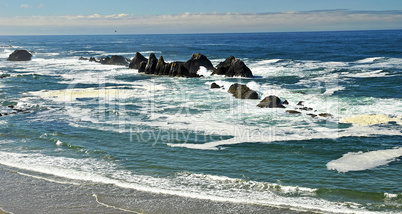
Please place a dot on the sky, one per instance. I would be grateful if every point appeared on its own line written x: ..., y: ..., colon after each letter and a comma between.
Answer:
x: 74, y: 17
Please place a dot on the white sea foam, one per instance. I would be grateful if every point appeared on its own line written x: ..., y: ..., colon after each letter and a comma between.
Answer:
x: 367, y: 74
x: 210, y: 187
x: 359, y: 161
x: 369, y: 60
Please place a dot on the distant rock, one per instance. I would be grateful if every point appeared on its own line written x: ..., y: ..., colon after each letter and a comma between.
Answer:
x: 233, y: 67
x: 271, y: 102
x: 242, y: 92
x: 197, y: 60
x: 151, y: 64
x: 312, y: 115
x: 92, y: 59
x: 300, y: 103
x: 325, y: 115
x: 214, y: 85
x: 20, y: 55
x: 285, y: 102
x: 114, y: 60
x: 135, y: 63
x: 293, y: 112
x: 306, y: 108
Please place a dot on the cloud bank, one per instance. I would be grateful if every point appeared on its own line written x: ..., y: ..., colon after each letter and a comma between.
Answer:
x: 206, y: 22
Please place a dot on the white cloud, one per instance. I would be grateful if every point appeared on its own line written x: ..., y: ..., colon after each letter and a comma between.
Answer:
x: 220, y: 22
x: 26, y: 6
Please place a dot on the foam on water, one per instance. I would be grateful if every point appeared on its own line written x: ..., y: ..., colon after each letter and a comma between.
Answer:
x: 370, y: 60
x: 359, y: 161
x: 210, y: 187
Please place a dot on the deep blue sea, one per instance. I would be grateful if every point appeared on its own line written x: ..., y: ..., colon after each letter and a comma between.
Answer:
x: 86, y: 124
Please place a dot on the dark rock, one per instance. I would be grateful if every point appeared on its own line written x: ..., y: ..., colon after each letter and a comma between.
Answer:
x: 286, y: 102
x: 306, y: 109
x: 242, y: 92
x: 224, y: 66
x: 233, y: 67
x: 312, y: 115
x: 177, y: 69
x: 141, y: 69
x: 83, y: 58
x: 214, y: 85
x: 197, y: 60
x: 135, y: 63
x: 325, y: 115
x: 293, y: 112
x: 238, y: 69
x: 114, y: 60
x: 160, y: 66
x: 271, y: 102
x: 20, y: 55
x: 167, y: 68
x: 92, y: 59
x: 300, y: 103
x: 151, y: 64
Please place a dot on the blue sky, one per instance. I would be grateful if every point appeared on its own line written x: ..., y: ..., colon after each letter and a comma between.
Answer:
x: 206, y: 16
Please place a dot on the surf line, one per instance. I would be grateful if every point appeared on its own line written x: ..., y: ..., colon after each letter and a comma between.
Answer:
x: 113, y: 207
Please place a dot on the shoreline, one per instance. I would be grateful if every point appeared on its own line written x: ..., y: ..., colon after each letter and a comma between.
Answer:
x: 22, y: 193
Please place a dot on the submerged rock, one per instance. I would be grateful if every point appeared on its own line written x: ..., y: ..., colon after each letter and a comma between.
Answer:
x: 325, y: 115
x: 293, y: 112
x: 214, y: 85
x: 20, y: 55
x: 135, y: 63
x: 271, y: 102
x: 242, y: 92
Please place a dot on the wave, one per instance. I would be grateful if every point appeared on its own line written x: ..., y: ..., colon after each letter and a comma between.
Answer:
x: 192, y: 185
x: 359, y: 161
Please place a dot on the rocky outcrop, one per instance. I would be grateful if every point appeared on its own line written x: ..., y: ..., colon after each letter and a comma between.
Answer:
x: 293, y: 112
x: 160, y: 66
x: 135, y: 63
x: 197, y: 60
x: 151, y: 64
x: 271, y: 102
x: 233, y: 67
x: 214, y: 85
x: 141, y: 69
x: 177, y: 69
x: 242, y: 92
x: 20, y: 55
x: 114, y: 60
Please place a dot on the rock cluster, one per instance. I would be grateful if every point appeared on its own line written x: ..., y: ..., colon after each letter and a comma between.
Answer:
x: 231, y: 67
x: 173, y: 69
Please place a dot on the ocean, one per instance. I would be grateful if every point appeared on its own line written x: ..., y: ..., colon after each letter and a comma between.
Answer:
x: 73, y: 130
